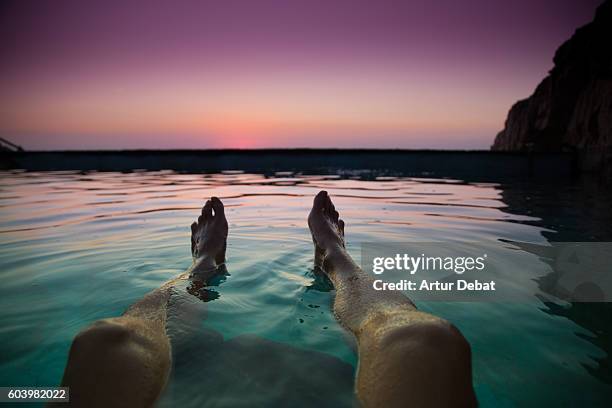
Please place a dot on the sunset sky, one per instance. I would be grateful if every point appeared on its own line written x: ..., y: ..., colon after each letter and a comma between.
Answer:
x: 255, y: 74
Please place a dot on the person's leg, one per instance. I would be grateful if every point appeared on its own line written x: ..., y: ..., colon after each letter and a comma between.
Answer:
x: 406, y: 357
x: 125, y: 361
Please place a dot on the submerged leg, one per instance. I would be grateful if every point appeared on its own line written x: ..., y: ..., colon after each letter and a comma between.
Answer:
x: 406, y: 357
x: 125, y: 361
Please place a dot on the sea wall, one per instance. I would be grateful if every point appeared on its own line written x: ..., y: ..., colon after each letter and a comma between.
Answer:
x: 465, y: 165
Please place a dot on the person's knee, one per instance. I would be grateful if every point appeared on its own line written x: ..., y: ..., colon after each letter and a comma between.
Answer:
x: 96, y: 349
x: 404, y: 331
x: 121, y: 340
x: 115, y: 354
x: 427, y: 363
x: 437, y: 335
x: 101, y: 334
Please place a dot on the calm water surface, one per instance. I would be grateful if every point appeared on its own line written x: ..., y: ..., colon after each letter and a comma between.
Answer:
x: 79, y: 247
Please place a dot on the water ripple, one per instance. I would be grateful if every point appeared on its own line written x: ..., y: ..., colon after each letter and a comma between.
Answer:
x: 76, y: 247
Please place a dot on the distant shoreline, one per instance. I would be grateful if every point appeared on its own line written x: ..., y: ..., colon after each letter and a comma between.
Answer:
x: 267, y: 150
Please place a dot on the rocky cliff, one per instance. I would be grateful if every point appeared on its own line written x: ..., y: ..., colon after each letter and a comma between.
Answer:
x: 571, y: 109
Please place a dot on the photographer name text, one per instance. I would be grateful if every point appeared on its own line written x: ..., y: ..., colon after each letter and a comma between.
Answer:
x: 413, y: 264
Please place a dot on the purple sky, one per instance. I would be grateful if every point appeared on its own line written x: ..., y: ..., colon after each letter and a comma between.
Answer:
x: 198, y: 74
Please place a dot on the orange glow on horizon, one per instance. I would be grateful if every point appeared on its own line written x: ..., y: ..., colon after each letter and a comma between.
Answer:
x: 213, y: 110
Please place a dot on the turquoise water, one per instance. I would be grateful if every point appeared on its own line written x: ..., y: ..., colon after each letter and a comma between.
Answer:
x: 78, y: 247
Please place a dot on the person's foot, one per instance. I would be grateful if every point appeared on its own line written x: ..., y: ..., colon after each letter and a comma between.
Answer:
x: 326, y: 227
x: 209, y: 235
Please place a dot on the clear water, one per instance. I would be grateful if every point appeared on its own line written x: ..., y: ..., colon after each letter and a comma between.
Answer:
x: 79, y: 247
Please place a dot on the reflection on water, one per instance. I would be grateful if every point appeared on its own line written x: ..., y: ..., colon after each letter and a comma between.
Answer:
x: 581, y: 212
x: 79, y: 247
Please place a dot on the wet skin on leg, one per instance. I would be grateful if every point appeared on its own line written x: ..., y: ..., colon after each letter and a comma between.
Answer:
x: 125, y: 361
x: 406, y: 357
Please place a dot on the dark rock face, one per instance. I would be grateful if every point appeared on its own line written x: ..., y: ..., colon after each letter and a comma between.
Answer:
x: 571, y: 109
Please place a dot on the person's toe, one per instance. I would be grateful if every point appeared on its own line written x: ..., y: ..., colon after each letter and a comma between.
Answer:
x: 320, y: 200
x: 330, y: 207
x: 207, y: 210
x: 335, y: 215
x: 194, y: 228
x: 217, y: 205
